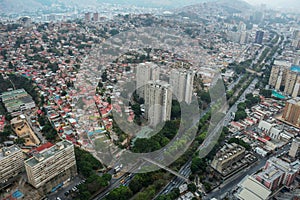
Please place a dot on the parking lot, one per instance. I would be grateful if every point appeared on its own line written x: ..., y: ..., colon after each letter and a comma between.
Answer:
x: 66, y: 191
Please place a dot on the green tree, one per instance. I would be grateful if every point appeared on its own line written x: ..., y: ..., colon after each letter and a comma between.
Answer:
x: 192, y: 187
x: 120, y: 193
x: 240, y: 115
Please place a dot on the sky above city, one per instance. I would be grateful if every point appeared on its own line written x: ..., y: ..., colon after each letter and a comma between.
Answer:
x: 277, y: 3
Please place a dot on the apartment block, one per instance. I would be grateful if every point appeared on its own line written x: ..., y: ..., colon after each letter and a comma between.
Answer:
x: 51, y: 166
x: 158, y: 102
x: 291, y: 112
x: 146, y: 72
x: 295, y: 148
x: 11, y: 162
x: 285, y: 77
x: 277, y: 173
x: 181, y: 82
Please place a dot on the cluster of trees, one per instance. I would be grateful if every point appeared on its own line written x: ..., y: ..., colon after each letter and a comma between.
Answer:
x: 144, y: 185
x: 230, y: 93
x: 251, y: 100
x: 173, y: 194
x: 87, y: 166
x: 240, y: 68
x: 176, y: 110
x: 48, y: 131
x: 86, y: 163
x: 240, y: 142
x: 240, y: 113
x: 5, y: 133
x: 242, y: 85
x: 120, y: 193
x: 93, y: 184
x: 198, y: 165
x: 266, y: 93
x: 4, y: 84
x: 53, y: 66
x: 27, y: 84
x: 159, y: 140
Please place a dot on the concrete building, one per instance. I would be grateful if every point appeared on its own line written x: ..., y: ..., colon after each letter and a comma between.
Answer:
x: 51, y: 166
x: 278, y: 74
x: 295, y: 148
x: 227, y: 157
x: 95, y: 17
x: 251, y: 189
x: 292, y: 83
x: 259, y: 36
x: 285, y: 77
x: 158, y: 102
x: 291, y: 112
x: 272, y: 178
x: 87, y: 16
x: 181, y: 81
x: 278, y: 172
x: 11, y: 162
x: 296, y: 39
x: 269, y: 129
x: 17, y: 101
x: 146, y: 72
x: 244, y: 37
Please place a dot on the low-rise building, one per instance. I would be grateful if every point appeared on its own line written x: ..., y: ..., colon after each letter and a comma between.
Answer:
x: 17, y: 101
x: 251, y: 189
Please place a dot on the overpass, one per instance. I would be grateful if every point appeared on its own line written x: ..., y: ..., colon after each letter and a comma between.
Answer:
x: 167, y: 169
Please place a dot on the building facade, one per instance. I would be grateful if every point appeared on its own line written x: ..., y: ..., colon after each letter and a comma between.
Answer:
x: 227, y: 157
x: 291, y: 112
x: 295, y: 148
x: 259, y: 36
x: 51, y: 167
x: 146, y: 72
x: 11, y: 162
x: 285, y: 77
x: 158, y: 102
x: 277, y: 173
x: 181, y: 82
x: 17, y: 101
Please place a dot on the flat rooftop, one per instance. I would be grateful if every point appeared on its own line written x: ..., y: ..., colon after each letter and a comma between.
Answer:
x: 12, y: 94
x: 47, y: 153
x: 5, y: 151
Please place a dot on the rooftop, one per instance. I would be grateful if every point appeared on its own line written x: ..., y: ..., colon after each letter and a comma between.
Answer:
x: 8, y: 150
x: 270, y: 174
x: 12, y: 94
x: 285, y: 166
x: 47, y: 153
x: 295, y: 68
x: 251, y: 189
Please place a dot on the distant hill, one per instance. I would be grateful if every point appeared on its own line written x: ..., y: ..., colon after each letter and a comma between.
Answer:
x: 32, y: 5
x: 7, y: 6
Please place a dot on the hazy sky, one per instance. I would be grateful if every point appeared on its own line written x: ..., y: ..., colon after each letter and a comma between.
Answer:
x: 278, y: 3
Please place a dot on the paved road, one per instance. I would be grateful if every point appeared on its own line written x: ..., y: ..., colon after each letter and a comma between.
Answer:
x: 68, y: 186
x: 176, y: 182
